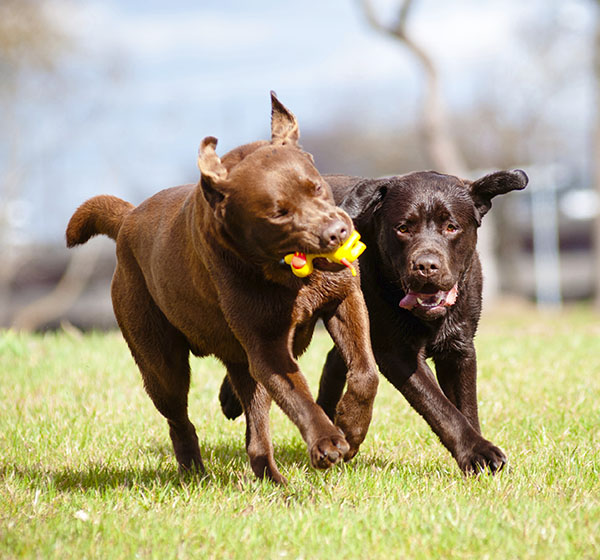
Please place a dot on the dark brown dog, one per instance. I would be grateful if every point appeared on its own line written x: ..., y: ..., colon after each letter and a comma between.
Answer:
x: 199, y: 270
x: 421, y: 278
x: 422, y: 282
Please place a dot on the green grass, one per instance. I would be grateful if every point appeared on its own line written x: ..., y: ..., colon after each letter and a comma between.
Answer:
x: 87, y: 471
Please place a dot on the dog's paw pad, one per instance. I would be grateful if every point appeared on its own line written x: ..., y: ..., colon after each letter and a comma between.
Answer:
x: 328, y: 451
x: 484, y: 457
x: 350, y: 454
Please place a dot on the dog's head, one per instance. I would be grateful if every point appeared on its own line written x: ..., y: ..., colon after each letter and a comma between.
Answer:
x: 268, y: 196
x: 425, y: 228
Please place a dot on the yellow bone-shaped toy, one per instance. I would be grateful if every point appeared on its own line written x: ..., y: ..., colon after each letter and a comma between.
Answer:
x: 302, y: 264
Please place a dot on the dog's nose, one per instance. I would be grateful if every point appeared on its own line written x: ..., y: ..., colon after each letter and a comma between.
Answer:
x: 335, y: 234
x: 427, y: 265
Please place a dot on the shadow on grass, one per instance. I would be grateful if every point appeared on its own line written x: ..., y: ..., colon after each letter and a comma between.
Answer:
x: 226, y: 465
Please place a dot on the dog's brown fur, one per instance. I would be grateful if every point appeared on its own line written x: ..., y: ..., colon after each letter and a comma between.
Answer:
x: 421, y: 233
x: 199, y: 270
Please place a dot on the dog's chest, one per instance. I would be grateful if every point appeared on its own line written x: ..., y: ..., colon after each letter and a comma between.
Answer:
x: 449, y: 337
x: 314, y: 298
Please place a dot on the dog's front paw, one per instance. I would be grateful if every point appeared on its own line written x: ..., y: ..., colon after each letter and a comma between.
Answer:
x: 264, y: 467
x: 354, y: 421
x: 482, y: 455
x: 328, y: 451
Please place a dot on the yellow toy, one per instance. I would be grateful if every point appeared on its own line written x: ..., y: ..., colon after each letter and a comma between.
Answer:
x: 302, y: 264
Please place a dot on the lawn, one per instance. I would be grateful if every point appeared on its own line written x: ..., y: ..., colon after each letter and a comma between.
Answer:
x: 87, y: 471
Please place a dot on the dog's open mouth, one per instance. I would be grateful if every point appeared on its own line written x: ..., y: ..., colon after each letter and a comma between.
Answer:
x: 302, y: 263
x: 429, y: 301
x: 323, y: 264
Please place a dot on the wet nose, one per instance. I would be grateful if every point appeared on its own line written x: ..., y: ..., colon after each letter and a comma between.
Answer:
x: 427, y: 265
x: 335, y: 234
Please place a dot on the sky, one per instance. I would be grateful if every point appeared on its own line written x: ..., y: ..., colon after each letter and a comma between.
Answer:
x: 145, y: 81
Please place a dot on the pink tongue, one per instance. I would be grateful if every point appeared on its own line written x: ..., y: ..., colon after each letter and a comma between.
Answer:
x: 451, y: 296
x: 410, y: 299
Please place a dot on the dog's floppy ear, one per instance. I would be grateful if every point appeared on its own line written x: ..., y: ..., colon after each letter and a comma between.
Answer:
x: 364, y: 199
x: 213, y: 174
x: 284, y: 126
x: 500, y: 182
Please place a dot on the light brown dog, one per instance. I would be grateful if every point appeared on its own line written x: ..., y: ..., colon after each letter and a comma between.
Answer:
x: 199, y: 269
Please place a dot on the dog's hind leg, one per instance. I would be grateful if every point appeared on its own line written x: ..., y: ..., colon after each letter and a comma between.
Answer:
x: 162, y: 355
x: 256, y: 403
x: 230, y: 404
x: 333, y: 380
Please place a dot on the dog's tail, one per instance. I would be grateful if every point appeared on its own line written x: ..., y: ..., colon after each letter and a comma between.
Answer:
x: 99, y: 215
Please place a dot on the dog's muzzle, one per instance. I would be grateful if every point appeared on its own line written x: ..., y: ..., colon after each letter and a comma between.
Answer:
x: 426, y: 302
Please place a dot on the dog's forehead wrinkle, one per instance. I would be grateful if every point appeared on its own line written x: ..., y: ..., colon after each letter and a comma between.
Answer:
x: 423, y: 198
x: 438, y: 207
x: 450, y: 202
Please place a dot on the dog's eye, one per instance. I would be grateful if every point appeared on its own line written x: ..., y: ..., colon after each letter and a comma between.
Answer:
x: 451, y: 228
x: 402, y: 228
x: 281, y: 212
x: 317, y: 188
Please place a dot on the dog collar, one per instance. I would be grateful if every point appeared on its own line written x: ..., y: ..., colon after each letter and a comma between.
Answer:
x: 302, y: 263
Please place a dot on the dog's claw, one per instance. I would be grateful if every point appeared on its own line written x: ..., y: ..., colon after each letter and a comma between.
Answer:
x: 485, y: 457
x: 328, y: 451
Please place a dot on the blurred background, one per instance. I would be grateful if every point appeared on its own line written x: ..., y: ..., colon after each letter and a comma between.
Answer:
x: 114, y: 97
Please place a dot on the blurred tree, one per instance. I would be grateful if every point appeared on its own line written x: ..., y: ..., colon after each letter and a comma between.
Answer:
x: 42, y: 65
x: 29, y: 38
x: 596, y: 150
x: 31, y: 43
x: 441, y: 144
x: 528, y: 112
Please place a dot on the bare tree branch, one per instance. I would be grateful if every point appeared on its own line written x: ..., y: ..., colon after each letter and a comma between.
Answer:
x: 55, y: 304
x: 441, y: 145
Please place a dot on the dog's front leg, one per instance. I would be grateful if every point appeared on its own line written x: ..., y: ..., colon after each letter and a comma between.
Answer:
x: 457, y: 375
x: 349, y: 329
x: 272, y: 365
x: 415, y: 380
x: 263, y: 326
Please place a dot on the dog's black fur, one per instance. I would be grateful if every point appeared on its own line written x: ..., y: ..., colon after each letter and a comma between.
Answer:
x: 422, y: 281
x: 421, y: 231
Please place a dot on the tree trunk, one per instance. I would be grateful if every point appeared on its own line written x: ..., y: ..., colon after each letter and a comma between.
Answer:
x: 55, y: 304
x: 596, y: 155
x: 441, y: 144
